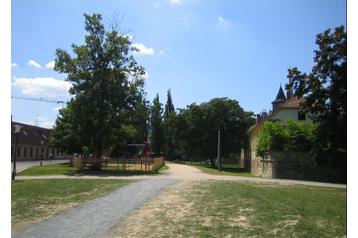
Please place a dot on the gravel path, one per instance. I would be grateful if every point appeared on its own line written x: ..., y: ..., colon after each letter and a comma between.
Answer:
x: 95, y: 218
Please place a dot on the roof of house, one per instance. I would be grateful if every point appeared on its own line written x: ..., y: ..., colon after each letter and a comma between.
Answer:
x: 31, y: 134
x: 292, y: 103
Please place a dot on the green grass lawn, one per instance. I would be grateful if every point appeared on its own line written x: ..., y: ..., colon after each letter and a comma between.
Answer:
x: 35, y: 200
x: 233, y: 209
x: 227, y: 169
x: 65, y: 169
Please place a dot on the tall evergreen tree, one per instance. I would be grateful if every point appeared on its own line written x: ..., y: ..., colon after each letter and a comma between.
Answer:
x: 169, y: 117
x: 157, y: 137
x: 169, y: 106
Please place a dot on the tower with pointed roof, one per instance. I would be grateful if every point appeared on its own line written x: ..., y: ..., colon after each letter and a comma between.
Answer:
x: 280, y: 98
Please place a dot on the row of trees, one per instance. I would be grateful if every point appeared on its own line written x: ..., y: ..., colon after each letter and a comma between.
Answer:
x: 108, y: 108
x: 193, y: 132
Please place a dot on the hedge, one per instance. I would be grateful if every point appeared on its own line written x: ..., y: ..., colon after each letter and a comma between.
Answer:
x: 289, y: 135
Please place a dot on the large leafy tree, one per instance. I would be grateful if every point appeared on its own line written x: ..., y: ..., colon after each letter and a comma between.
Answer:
x: 325, y: 90
x: 107, y: 89
x: 157, y: 136
x: 197, y: 128
x: 168, y: 125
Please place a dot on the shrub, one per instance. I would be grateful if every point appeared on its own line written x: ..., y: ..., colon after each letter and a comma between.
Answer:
x: 285, y: 136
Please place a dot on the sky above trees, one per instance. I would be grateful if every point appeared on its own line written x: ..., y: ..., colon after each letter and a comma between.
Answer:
x: 200, y: 49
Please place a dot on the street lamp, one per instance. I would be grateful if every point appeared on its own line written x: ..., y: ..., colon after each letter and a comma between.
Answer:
x: 42, y: 154
x: 16, y: 131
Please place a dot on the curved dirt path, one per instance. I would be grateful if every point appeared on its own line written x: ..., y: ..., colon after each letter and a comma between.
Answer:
x: 186, y: 172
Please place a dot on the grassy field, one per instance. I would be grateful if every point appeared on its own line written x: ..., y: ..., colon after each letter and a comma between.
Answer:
x: 36, y: 200
x: 232, y: 209
x: 227, y: 169
x: 65, y: 169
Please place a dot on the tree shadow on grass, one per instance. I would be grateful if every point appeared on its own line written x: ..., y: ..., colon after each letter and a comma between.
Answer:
x: 104, y: 172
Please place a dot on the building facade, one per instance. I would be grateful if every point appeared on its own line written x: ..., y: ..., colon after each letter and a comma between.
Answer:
x: 32, y: 143
x: 283, y: 108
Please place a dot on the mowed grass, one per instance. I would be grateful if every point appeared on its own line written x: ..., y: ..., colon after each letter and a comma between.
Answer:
x: 65, y: 169
x: 227, y: 169
x: 36, y: 200
x: 234, y: 209
x: 243, y: 210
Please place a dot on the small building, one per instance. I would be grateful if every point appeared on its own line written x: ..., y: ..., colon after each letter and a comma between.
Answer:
x: 32, y: 143
x: 283, y: 107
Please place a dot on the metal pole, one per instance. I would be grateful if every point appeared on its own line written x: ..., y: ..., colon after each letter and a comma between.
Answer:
x: 14, y: 164
x: 219, y: 156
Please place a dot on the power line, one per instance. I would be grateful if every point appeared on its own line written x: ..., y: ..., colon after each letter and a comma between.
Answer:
x: 39, y: 100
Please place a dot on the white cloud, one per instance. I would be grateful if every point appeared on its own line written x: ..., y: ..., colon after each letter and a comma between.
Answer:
x: 50, y: 65
x: 14, y: 65
x: 223, y: 21
x: 129, y: 36
x: 57, y: 108
x: 34, y: 64
x: 142, y: 49
x: 46, y: 86
x: 132, y: 76
x: 176, y: 2
x: 145, y: 76
x: 161, y: 52
x: 43, y: 121
x: 157, y: 4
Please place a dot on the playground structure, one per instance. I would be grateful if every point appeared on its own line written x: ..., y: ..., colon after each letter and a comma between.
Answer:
x: 134, y: 161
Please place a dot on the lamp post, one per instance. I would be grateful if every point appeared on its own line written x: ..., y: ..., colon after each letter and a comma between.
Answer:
x: 16, y: 131
x: 42, y: 154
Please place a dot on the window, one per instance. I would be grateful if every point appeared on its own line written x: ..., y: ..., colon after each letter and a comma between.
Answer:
x: 18, y: 151
x: 301, y: 116
x: 31, y: 152
x: 37, y: 152
x: 25, y: 151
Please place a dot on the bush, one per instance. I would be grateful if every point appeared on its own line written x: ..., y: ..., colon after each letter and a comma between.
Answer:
x: 285, y: 136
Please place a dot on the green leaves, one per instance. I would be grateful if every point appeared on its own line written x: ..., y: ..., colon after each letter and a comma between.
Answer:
x: 325, y: 90
x: 107, y: 89
x: 286, y: 136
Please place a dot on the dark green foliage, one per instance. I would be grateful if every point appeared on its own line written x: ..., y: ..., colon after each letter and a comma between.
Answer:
x: 168, y: 126
x: 325, y: 91
x: 286, y: 136
x: 108, y: 107
x: 196, y: 129
x: 157, y: 137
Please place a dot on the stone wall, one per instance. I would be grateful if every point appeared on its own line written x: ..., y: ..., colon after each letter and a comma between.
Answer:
x: 288, y: 165
x: 296, y: 165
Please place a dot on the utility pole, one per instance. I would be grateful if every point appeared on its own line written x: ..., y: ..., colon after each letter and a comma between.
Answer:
x: 219, y: 156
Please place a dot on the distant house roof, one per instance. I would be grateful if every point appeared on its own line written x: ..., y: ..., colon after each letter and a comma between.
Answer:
x: 292, y: 103
x: 30, y: 134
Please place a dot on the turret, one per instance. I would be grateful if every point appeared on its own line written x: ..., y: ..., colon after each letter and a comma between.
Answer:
x: 280, y: 98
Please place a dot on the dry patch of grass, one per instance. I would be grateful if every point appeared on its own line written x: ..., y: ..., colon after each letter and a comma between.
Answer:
x: 232, y: 209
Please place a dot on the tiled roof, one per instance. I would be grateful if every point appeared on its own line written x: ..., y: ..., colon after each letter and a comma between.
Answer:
x: 31, y: 134
x: 292, y: 103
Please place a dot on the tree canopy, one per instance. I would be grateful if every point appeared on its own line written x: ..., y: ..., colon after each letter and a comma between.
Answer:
x: 107, y: 89
x: 157, y: 137
x: 196, y: 128
x: 325, y: 90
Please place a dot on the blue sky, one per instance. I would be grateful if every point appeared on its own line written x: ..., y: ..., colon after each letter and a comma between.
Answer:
x: 201, y: 49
